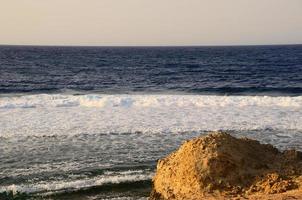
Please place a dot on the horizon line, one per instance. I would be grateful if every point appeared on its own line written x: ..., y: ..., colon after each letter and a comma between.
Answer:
x: 224, y: 45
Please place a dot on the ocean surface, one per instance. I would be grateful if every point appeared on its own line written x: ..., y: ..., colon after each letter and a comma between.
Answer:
x: 91, y: 122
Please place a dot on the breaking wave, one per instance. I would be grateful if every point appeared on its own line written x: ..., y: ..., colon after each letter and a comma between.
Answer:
x: 58, y: 114
x: 75, y: 185
x: 126, y: 101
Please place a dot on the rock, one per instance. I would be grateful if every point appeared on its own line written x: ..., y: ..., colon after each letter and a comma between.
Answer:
x: 219, y: 166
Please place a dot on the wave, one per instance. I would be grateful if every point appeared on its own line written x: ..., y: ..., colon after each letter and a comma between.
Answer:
x: 97, y: 100
x: 76, y: 185
x: 57, y: 114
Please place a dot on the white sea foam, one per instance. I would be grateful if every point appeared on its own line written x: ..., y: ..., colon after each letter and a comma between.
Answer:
x: 126, y: 101
x: 74, y: 185
x: 58, y: 114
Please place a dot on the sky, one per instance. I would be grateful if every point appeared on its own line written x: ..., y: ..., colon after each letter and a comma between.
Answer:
x: 150, y: 22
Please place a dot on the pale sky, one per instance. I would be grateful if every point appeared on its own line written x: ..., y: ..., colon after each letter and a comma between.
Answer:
x: 150, y: 22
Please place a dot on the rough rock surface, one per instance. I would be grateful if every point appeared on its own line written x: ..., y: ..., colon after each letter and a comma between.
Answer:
x: 219, y: 166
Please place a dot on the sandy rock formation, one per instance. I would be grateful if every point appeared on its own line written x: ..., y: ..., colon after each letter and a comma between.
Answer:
x: 219, y: 166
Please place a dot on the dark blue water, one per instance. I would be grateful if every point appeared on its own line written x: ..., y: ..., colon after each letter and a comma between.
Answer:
x: 222, y: 70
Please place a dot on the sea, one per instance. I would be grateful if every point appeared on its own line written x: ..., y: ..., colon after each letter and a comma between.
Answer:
x: 89, y: 123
